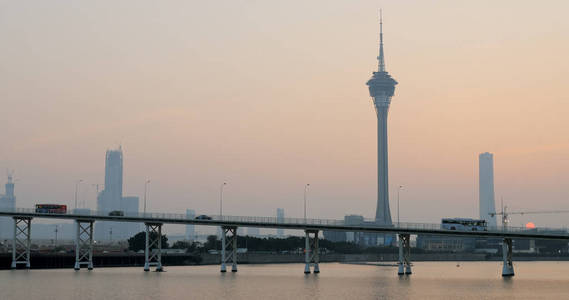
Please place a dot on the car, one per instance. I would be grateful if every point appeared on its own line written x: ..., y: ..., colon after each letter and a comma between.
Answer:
x: 203, y: 217
x: 116, y: 213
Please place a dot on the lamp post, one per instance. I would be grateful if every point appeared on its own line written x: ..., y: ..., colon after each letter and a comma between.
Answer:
x: 221, y: 199
x: 76, y: 188
x: 398, y: 190
x: 145, y: 193
x: 55, y: 243
x: 305, y: 192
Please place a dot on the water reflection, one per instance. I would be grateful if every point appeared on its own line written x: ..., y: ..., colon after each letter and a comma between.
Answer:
x: 430, y: 280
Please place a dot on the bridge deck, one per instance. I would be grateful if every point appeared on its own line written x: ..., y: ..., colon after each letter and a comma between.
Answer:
x: 297, y: 223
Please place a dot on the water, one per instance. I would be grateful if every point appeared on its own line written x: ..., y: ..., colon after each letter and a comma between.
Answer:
x: 431, y: 280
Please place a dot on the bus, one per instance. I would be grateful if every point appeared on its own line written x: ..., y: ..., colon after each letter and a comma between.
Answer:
x: 464, y: 224
x: 51, y: 208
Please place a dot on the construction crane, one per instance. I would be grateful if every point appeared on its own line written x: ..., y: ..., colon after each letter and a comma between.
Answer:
x: 506, y: 215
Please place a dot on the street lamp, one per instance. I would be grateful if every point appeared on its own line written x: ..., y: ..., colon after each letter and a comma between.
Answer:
x: 398, y: 190
x: 55, y: 243
x: 76, y: 188
x: 145, y: 193
x: 305, y: 192
x: 221, y: 198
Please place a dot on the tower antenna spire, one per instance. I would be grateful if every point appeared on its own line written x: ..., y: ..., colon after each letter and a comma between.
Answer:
x: 380, y: 57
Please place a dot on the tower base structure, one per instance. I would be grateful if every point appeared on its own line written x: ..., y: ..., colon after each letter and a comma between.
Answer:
x: 404, y: 255
x: 311, y: 252
x: 153, y: 247
x: 22, y: 242
x: 228, y: 248
x: 84, y: 244
x: 508, y: 265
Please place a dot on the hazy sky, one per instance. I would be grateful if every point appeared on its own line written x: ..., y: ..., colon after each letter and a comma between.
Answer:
x: 270, y: 95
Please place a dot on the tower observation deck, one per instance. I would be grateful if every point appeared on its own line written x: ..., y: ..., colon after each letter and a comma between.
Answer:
x: 381, y: 89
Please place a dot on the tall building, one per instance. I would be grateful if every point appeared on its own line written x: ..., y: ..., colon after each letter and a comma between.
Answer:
x: 486, y: 188
x: 111, y: 199
x: 7, y: 202
x: 381, y: 89
x: 354, y: 237
x: 190, y: 229
x: 280, y: 219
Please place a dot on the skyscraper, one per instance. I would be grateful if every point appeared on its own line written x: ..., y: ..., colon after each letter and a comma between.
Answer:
x: 7, y: 201
x: 486, y: 187
x: 112, y: 193
x: 381, y: 89
x: 111, y: 199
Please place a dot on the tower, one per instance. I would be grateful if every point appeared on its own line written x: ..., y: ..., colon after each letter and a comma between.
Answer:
x: 113, y: 178
x: 486, y: 188
x: 111, y: 198
x: 10, y: 188
x: 381, y: 89
x: 7, y: 202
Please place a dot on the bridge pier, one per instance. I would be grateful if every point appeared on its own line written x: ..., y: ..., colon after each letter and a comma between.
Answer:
x: 153, y: 247
x: 21, y: 243
x: 508, y: 266
x: 84, y: 244
x: 404, y: 254
x: 228, y: 241
x: 311, y: 252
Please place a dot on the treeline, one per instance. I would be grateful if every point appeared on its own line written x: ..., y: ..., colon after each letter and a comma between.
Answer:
x: 277, y: 245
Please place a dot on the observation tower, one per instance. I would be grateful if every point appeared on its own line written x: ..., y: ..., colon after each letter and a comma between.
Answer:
x: 381, y: 89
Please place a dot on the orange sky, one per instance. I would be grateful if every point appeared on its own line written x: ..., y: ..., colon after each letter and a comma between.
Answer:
x: 271, y: 95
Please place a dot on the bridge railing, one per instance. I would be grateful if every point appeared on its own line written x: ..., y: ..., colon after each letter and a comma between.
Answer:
x: 291, y: 221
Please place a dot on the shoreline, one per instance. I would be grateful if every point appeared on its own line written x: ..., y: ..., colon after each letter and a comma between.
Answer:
x: 64, y: 261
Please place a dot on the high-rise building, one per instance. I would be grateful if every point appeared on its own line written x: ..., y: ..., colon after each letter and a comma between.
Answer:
x: 280, y: 219
x: 354, y: 237
x: 381, y: 89
x: 7, y: 202
x: 190, y: 229
x: 486, y: 188
x: 111, y: 199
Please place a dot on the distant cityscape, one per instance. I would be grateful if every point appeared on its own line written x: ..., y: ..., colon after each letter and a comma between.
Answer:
x: 110, y: 199
x: 381, y: 88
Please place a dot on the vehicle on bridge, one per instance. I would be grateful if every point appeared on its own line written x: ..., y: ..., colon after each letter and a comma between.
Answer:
x: 203, y: 217
x: 116, y: 213
x: 464, y: 224
x: 51, y: 208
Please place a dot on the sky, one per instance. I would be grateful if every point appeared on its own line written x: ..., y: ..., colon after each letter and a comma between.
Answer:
x: 270, y: 95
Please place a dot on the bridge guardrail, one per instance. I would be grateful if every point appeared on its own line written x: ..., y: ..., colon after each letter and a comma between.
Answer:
x: 293, y: 221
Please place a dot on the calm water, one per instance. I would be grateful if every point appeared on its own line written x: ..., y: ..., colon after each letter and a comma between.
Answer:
x: 431, y: 280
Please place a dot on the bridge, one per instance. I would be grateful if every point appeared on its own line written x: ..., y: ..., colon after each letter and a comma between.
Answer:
x: 229, y: 224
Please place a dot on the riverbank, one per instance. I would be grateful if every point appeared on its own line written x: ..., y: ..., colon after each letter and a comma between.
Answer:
x: 53, y: 261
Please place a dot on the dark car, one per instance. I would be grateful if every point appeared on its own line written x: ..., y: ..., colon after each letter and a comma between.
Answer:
x: 116, y: 213
x: 203, y: 217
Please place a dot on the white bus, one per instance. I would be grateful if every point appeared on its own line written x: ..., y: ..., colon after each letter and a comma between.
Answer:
x: 464, y: 224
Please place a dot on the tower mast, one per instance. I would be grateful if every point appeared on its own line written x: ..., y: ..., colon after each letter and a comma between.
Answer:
x: 380, y: 58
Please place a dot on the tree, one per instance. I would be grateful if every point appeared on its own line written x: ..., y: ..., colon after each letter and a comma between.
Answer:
x: 212, y: 243
x: 190, y: 247
x: 138, y: 241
